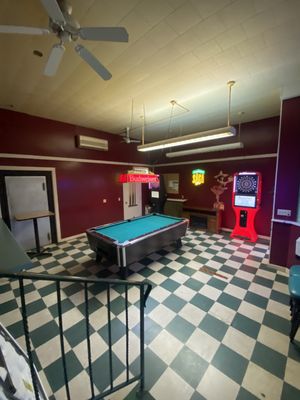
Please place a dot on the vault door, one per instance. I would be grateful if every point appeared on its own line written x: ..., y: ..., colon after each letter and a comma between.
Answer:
x: 26, y: 194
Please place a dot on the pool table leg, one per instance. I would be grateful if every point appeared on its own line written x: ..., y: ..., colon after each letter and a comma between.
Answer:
x: 178, y: 243
x: 124, y: 272
x: 98, y: 257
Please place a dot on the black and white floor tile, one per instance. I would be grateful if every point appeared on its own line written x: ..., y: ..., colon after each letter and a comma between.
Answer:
x: 216, y: 322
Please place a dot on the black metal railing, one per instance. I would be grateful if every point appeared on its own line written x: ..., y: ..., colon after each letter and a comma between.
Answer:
x: 105, y: 285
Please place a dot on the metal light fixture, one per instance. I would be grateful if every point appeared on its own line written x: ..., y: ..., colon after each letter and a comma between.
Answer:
x: 198, y: 137
x: 221, y: 147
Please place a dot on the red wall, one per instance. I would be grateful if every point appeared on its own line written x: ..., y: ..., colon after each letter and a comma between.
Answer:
x: 81, y: 186
x: 259, y: 137
x: 25, y: 134
x: 202, y: 196
x: 287, y: 185
x: 283, y: 244
x: 288, y: 174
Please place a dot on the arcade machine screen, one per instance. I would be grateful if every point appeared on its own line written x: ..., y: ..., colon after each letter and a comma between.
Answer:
x: 245, y: 201
x: 154, y: 194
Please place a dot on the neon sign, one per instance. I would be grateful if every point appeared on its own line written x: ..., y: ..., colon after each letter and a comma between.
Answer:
x: 198, y: 176
x: 142, y: 178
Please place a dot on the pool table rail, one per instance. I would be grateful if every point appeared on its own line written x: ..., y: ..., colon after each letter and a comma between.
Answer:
x: 130, y: 251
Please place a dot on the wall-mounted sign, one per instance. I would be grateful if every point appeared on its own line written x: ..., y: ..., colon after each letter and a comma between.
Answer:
x: 171, y: 182
x: 198, y: 176
x: 142, y: 178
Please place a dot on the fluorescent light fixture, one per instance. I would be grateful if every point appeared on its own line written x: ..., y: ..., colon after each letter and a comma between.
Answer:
x: 221, y: 147
x: 189, y: 139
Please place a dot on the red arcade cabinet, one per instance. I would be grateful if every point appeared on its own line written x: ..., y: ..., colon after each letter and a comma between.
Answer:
x: 246, y: 198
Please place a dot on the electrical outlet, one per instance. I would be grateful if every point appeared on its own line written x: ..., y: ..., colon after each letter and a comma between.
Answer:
x: 284, y: 213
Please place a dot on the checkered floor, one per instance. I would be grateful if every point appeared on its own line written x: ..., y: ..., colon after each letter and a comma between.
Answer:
x: 222, y: 336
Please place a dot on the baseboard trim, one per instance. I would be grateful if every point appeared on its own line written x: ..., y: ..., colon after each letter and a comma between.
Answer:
x: 65, y: 239
x: 279, y: 268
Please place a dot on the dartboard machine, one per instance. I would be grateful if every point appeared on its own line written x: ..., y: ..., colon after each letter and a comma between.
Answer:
x: 246, y: 199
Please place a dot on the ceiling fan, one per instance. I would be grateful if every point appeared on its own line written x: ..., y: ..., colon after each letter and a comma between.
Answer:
x: 67, y: 29
x: 127, y: 139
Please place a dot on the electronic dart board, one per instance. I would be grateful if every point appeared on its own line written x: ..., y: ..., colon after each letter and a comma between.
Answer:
x: 246, y: 198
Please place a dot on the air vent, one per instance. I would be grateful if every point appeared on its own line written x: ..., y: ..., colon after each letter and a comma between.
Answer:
x: 89, y: 142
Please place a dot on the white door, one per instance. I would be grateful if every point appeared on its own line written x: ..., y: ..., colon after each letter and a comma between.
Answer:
x: 26, y: 194
x: 132, y: 200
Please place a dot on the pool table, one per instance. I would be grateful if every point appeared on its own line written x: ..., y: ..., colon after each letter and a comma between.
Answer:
x: 125, y: 242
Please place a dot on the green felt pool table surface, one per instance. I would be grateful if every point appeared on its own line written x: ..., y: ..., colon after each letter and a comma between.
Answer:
x: 130, y: 229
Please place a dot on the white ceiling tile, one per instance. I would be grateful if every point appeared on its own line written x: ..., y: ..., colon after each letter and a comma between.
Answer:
x: 224, y: 73
x: 209, y: 28
x: 259, y: 23
x: 176, y: 3
x: 284, y: 33
x: 104, y: 12
x: 134, y: 54
x: 261, y: 5
x: 242, y: 69
x: 237, y: 12
x: 24, y: 13
x: 250, y: 46
x: 205, y: 66
x: 207, y: 8
x: 206, y: 50
x: 285, y: 11
x: 231, y: 56
x: 231, y: 37
x: 154, y: 11
x: 183, y: 18
x: 182, y: 65
x: 160, y: 36
x: 168, y: 54
x: 178, y: 49
x: 80, y: 9
x: 101, y: 13
x: 186, y: 42
x: 137, y: 25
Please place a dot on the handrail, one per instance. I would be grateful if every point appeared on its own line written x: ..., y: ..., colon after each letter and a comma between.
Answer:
x: 144, y: 288
x: 63, y: 278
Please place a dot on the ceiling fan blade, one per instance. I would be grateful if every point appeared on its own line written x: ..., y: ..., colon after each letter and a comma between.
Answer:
x: 54, y: 59
x: 26, y: 30
x: 93, y: 62
x: 114, y: 34
x: 53, y: 10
